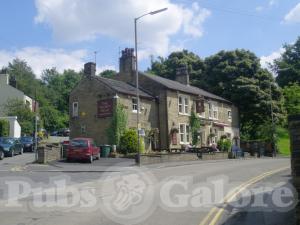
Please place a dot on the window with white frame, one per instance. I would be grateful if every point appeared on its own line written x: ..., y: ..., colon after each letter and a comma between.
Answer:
x: 184, y: 133
x: 134, y: 104
x: 183, y: 104
x: 213, y: 110
x: 75, y: 109
x: 210, y: 110
x: 229, y: 115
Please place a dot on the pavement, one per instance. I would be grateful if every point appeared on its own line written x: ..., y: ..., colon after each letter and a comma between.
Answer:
x: 103, y: 177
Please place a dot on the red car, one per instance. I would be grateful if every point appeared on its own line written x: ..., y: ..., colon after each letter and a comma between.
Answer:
x: 83, y: 149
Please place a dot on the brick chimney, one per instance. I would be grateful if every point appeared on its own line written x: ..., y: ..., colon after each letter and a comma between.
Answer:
x: 90, y: 69
x: 182, y: 75
x: 127, y: 61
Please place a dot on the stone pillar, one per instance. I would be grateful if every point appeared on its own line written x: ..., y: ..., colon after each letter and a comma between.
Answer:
x: 294, y: 128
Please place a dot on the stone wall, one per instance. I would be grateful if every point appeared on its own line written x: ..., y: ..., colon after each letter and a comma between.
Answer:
x: 215, y: 156
x: 170, y: 157
x: 48, y: 153
x: 294, y: 128
x: 146, y: 159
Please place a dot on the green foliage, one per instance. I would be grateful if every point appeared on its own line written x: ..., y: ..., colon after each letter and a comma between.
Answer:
x: 52, y: 91
x: 292, y: 98
x: 15, y: 107
x: 166, y: 67
x: 118, y: 125
x: 4, y: 128
x: 194, y: 125
x: 236, y: 76
x: 108, y: 73
x: 283, y: 141
x: 288, y: 65
x: 128, y: 141
x: 224, y: 144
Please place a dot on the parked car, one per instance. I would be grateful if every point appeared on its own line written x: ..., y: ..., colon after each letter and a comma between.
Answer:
x: 83, y: 149
x: 1, y: 154
x: 54, y: 133
x: 11, y: 146
x: 28, y: 143
x: 64, y: 132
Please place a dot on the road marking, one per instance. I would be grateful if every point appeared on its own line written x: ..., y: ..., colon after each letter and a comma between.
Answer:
x: 217, y: 212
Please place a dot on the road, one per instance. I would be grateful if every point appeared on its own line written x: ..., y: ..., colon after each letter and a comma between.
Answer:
x: 114, y: 191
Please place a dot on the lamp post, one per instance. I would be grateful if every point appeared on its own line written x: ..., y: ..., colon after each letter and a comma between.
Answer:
x: 137, y: 73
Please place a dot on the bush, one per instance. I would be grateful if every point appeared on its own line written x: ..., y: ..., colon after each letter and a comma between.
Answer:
x: 4, y: 128
x: 128, y: 142
x: 224, y: 144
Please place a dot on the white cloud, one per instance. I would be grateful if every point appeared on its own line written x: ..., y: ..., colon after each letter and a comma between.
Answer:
x: 77, y: 20
x: 42, y: 58
x: 293, y: 15
x: 265, y: 61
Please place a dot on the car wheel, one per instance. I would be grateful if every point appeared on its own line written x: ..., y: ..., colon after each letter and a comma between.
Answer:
x: 91, y: 159
x: 98, y: 156
x: 1, y: 155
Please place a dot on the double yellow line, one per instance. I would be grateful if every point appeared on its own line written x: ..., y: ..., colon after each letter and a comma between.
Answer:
x: 215, y: 213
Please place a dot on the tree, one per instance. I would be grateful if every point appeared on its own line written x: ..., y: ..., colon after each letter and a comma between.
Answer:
x: 15, y: 107
x: 237, y: 76
x: 108, y: 73
x: 292, y: 98
x: 166, y: 67
x: 4, y: 128
x: 24, y: 76
x: 288, y: 65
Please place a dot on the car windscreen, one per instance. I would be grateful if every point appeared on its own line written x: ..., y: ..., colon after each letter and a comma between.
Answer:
x: 26, y: 139
x: 7, y: 141
x: 79, y: 143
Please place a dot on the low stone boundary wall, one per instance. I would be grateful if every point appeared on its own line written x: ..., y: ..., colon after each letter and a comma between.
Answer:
x: 215, y: 156
x: 146, y: 159
x: 294, y: 129
x: 49, y: 152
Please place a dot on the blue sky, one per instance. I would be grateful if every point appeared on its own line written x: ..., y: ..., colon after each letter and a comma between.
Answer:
x: 65, y: 33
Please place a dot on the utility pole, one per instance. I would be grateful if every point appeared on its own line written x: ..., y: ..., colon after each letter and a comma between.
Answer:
x: 35, y: 128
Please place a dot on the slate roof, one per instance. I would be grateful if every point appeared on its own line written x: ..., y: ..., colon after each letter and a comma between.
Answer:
x: 174, y: 85
x: 122, y: 87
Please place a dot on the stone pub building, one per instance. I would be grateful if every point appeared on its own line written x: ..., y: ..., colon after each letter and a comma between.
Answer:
x: 165, y: 107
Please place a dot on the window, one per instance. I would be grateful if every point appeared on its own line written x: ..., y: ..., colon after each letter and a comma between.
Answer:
x: 75, y: 109
x: 183, y: 104
x: 213, y: 111
x: 184, y: 133
x: 229, y: 115
x: 210, y: 111
x: 134, y: 104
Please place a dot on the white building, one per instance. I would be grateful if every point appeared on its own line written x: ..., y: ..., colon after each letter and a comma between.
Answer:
x: 8, y: 92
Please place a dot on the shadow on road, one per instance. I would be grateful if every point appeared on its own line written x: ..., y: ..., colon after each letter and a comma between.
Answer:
x: 262, y: 206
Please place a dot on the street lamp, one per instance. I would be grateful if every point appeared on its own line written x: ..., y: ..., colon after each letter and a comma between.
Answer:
x: 137, y: 72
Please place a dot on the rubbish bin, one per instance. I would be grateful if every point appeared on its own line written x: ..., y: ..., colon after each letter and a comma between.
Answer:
x: 105, y: 150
